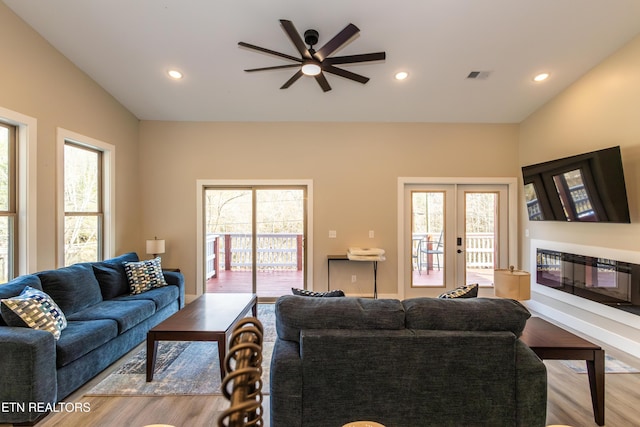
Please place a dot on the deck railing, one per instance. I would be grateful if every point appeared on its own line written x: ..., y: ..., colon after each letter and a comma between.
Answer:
x: 232, y: 251
x: 479, y: 248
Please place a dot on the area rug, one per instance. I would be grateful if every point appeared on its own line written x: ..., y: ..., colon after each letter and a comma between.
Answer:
x: 611, y: 366
x: 182, y: 368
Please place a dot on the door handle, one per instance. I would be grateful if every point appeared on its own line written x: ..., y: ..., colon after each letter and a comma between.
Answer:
x: 459, y: 251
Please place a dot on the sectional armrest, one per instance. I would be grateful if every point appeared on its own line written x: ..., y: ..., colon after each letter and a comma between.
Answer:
x: 177, y: 279
x: 27, y: 371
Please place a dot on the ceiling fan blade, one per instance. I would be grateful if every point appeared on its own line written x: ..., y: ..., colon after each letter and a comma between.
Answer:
x: 269, y: 51
x: 322, y: 81
x: 294, y: 35
x: 344, y: 73
x: 292, y: 80
x: 332, y: 45
x: 350, y: 59
x: 277, y: 67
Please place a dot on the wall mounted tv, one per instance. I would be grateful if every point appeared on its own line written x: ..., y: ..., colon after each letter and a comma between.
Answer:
x: 588, y: 187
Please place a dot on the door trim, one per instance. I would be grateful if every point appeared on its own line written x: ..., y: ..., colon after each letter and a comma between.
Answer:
x: 512, y: 203
x: 202, y: 184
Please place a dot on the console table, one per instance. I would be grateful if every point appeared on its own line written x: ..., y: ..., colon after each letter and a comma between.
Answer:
x: 549, y: 341
x: 345, y: 257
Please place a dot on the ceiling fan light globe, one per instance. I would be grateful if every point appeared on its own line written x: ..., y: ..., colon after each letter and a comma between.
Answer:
x: 311, y: 69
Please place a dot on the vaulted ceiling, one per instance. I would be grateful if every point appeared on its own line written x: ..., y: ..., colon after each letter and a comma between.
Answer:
x: 128, y: 46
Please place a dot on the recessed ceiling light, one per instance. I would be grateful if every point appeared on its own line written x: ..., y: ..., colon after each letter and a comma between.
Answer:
x: 401, y: 75
x: 174, y: 74
x: 541, y: 77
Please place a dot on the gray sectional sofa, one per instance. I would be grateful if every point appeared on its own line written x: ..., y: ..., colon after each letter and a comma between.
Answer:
x: 104, y: 322
x: 418, y: 362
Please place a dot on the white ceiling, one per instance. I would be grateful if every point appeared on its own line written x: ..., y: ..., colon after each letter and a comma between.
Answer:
x: 128, y: 45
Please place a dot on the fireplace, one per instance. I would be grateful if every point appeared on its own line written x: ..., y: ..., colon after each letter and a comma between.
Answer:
x: 606, y: 281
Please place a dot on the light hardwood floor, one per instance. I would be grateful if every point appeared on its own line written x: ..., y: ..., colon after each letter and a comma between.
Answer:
x: 569, y: 403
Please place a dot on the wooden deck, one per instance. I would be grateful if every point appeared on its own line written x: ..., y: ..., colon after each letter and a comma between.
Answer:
x: 273, y: 284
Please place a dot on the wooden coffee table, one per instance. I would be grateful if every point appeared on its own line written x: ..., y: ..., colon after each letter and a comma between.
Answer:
x: 549, y: 341
x: 211, y: 317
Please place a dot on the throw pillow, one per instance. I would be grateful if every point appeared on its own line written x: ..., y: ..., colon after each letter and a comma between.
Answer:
x: 466, y: 291
x: 144, y: 275
x: 34, y: 309
x: 306, y: 293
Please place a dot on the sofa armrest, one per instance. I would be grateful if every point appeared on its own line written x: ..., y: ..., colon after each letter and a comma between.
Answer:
x: 531, y: 387
x: 176, y: 278
x: 286, y: 384
x: 27, y: 372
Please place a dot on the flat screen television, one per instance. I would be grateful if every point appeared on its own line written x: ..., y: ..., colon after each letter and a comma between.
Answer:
x: 588, y: 187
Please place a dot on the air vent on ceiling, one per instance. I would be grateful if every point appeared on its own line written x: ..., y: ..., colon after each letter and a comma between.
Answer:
x: 479, y: 75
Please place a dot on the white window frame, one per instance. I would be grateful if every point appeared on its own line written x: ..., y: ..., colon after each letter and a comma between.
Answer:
x: 27, y: 182
x: 108, y: 191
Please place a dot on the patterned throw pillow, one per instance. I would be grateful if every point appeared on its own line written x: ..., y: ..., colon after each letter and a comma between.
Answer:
x: 466, y: 291
x: 144, y: 275
x: 35, y: 309
x: 306, y: 293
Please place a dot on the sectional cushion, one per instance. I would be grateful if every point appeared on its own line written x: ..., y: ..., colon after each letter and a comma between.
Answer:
x: 111, y: 275
x: 34, y: 309
x: 466, y: 314
x: 16, y: 286
x: 81, y: 337
x: 127, y: 313
x: 73, y: 288
x: 162, y: 297
x: 144, y: 275
x: 295, y: 313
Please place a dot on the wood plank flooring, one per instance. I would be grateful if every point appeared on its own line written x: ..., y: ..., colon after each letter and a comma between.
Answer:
x: 569, y: 402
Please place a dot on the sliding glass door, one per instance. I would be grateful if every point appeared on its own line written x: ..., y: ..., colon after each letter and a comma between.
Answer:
x: 255, y: 239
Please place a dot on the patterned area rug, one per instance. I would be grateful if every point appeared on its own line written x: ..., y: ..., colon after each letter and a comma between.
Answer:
x: 182, y: 368
x: 611, y: 366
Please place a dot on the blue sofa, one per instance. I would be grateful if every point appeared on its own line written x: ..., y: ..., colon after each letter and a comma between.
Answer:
x: 417, y: 362
x: 104, y: 322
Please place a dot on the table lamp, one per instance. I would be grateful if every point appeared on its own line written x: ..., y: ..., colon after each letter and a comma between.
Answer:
x: 512, y: 283
x: 155, y: 247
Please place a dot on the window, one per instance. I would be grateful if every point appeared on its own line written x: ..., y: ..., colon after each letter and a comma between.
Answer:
x: 8, y: 187
x: 83, y: 204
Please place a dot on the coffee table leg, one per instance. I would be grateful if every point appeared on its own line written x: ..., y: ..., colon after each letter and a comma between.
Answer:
x: 152, y: 348
x: 595, y: 369
x: 254, y: 309
x: 222, y: 353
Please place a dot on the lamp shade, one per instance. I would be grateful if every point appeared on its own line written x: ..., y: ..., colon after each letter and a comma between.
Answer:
x: 155, y: 246
x: 511, y: 283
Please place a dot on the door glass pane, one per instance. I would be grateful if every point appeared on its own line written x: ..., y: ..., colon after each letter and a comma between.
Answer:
x: 228, y: 242
x: 480, y: 237
x: 279, y: 244
x: 427, y: 246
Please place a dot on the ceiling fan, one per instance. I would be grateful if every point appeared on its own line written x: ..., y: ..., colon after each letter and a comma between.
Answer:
x: 316, y: 63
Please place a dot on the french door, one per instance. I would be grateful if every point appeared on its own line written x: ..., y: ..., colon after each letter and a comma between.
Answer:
x: 255, y: 239
x: 454, y: 234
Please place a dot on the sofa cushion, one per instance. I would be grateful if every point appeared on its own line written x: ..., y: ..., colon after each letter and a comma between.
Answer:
x: 73, y: 288
x: 144, y: 275
x: 111, y: 275
x: 466, y: 314
x: 127, y: 313
x: 16, y: 286
x: 34, y: 309
x: 295, y: 313
x: 307, y: 293
x: 464, y: 291
x: 161, y: 297
x: 81, y: 337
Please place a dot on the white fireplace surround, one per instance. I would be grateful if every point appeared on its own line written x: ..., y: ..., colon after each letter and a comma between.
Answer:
x: 609, y: 325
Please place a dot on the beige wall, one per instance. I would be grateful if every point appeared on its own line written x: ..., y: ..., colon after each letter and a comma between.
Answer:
x: 37, y: 81
x: 354, y: 168
x: 600, y: 110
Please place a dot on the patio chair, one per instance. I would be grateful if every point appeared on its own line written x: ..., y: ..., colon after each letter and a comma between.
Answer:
x: 432, y: 249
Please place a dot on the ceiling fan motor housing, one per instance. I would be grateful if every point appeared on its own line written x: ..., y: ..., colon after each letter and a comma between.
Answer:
x: 311, y: 37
